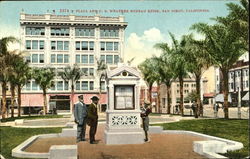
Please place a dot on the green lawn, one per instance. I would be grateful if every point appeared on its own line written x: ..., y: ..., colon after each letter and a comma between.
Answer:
x: 12, y: 137
x: 236, y: 130
x: 32, y: 117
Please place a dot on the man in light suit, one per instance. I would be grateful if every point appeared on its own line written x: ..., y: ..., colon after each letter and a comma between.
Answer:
x: 80, y: 113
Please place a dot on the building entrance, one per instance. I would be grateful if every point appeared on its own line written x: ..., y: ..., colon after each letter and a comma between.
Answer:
x: 60, y: 102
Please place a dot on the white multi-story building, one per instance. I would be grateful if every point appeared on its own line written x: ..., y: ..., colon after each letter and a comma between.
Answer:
x: 58, y: 41
x: 238, y: 78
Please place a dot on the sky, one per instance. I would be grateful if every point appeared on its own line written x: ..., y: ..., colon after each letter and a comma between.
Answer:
x: 144, y: 29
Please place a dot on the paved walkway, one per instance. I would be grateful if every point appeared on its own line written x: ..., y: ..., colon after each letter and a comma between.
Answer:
x: 161, y: 146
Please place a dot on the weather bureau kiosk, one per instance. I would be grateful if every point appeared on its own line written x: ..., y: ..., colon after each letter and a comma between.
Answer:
x: 123, y: 124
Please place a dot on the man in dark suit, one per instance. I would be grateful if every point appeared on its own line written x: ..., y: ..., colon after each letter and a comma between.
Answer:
x: 80, y: 113
x: 93, y: 119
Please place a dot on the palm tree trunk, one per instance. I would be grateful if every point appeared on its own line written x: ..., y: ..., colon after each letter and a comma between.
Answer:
x: 150, y: 93
x: 72, y: 98
x: 225, y: 92
x: 181, y: 96
x: 158, y: 97
x: 19, y: 99
x: 168, y: 99
x: 198, y: 100
x: 100, y: 94
x: 4, y: 87
x: 12, y: 90
x: 44, y: 102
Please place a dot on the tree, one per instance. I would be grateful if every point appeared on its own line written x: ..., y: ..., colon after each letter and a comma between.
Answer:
x: 101, y: 73
x: 237, y: 21
x: 177, y: 63
x: 71, y: 74
x: 224, y: 49
x: 44, y: 78
x: 148, y: 75
x: 5, y: 68
x: 198, y: 61
x: 165, y: 71
x: 156, y: 67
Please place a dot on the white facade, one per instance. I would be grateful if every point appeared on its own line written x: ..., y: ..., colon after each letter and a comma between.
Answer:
x: 59, y: 41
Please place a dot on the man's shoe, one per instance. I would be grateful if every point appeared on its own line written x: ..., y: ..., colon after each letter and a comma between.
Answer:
x: 93, y: 142
x: 83, y: 140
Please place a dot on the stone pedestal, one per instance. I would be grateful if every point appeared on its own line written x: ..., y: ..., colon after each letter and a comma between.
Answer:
x: 123, y: 121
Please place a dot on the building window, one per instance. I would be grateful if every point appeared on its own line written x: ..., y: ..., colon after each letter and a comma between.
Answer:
x: 84, y: 85
x: 34, y: 86
x: 59, y: 32
x: 41, y: 58
x: 28, y: 84
x: 91, y: 59
x: 102, y: 58
x: 91, y: 71
x: 102, y: 85
x: 109, y: 33
x: 59, y: 85
x: 246, y: 72
x: 178, y: 91
x: 87, y: 32
x: 66, y: 85
x: 91, y: 45
x: 84, y: 45
x: 85, y: 59
x: 109, y: 46
x: 59, y: 45
x: 66, y: 58
x: 116, y: 59
x: 34, y: 30
x: 178, y: 85
x: 41, y: 44
x: 78, y: 58
x: 34, y: 45
x: 53, y: 58
x: 85, y: 71
x: 59, y: 58
x: 28, y: 44
x: 78, y: 85
x: 232, y: 85
x: 35, y: 58
x: 109, y: 59
x: 102, y: 46
x: 78, y: 45
x: 91, y: 85
x: 247, y: 83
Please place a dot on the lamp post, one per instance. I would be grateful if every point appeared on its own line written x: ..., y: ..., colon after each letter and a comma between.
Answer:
x: 239, y: 103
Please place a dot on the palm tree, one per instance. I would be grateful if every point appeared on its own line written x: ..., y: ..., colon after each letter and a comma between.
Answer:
x: 5, y: 68
x: 101, y: 73
x: 224, y: 49
x: 149, y: 75
x: 198, y: 61
x: 166, y: 72
x: 71, y: 74
x: 237, y: 20
x: 177, y: 63
x: 44, y: 78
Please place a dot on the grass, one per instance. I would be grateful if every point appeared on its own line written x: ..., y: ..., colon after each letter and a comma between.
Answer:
x: 234, y: 129
x: 12, y: 137
x: 32, y: 117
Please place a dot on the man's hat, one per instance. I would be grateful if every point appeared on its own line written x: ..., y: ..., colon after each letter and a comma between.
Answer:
x: 147, y: 102
x: 94, y: 98
x: 80, y: 96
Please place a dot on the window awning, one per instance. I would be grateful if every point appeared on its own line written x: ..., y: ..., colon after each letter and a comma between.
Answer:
x: 246, y: 97
x: 220, y: 98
